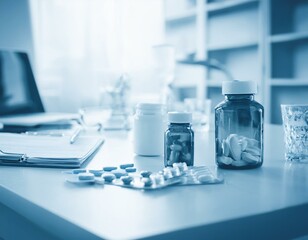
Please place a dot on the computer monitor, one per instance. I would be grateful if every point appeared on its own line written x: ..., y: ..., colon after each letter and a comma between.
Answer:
x: 18, y: 90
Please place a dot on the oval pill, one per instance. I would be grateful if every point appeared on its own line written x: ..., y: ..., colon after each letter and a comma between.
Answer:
x: 108, y: 176
x: 76, y: 171
x: 97, y: 173
x: 239, y: 163
x: 109, y: 169
x: 86, y: 176
x: 119, y: 173
x: 145, y: 174
x: 124, y: 166
x: 243, y: 142
x: 130, y: 169
x: 253, y: 151
x: 225, y: 160
x: 127, y: 179
x: 248, y: 157
x: 225, y: 148
x: 147, y: 182
x: 252, y: 142
x: 235, y: 148
x: 205, y: 178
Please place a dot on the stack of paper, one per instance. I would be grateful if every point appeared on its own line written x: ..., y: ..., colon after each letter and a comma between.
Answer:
x: 29, y: 150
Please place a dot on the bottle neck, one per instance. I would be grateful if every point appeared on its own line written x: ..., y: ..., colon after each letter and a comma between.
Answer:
x: 179, y: 125
x: 239, y: 97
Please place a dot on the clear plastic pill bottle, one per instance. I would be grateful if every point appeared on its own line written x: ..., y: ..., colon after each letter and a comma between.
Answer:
x: 148, y: 129
x: 179, y: 139
x: 239, y: 127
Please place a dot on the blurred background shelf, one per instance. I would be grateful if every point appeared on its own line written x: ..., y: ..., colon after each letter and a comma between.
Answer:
x: 261, y: 40
x: 183, y: 16
x: 215, y: 6
x: 288, y: 82
x: 289, y: 37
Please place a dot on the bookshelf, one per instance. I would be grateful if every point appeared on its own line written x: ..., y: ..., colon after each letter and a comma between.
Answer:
x: 261, y: 40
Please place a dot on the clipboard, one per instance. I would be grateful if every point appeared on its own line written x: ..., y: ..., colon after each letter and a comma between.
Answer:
x: 47, y: 151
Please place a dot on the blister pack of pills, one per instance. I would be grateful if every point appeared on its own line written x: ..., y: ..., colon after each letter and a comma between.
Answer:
x: 127, y: 176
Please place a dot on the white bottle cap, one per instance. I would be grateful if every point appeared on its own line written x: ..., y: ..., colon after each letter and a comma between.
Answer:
x: 148, y: 108
x: 179, y: 117
x: 239, y: 87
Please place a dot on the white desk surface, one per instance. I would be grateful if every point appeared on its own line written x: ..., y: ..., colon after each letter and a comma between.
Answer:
x: 269, y: 202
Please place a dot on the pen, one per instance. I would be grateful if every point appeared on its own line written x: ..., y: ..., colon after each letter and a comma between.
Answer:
x: 75, y: 135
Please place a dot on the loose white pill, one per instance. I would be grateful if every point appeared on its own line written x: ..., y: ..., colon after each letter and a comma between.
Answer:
x: 86, y: 176
x: 127, y: 165
x: 130, y: 169
x: 225, y: 148
x: 235, y: 148
x: 108, y: 176
x: 109, y: 169
x: 239, y: 163
x: 225, y: 160
x: 119, y: 173
x: 248, y: 157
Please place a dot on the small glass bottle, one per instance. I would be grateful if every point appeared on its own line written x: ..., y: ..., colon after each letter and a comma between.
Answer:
x: 239, y: 127
x: 149, y: 127
x: 179, y: 139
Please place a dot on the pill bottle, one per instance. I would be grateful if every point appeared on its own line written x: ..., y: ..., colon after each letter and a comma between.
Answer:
x: 179, y: 139
x: 239, y: 127
x: 148, y: 129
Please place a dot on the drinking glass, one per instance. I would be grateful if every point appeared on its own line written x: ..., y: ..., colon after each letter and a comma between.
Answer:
x: 295, y: 123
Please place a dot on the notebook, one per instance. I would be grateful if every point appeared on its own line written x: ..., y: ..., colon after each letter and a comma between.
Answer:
x: 47, y: 151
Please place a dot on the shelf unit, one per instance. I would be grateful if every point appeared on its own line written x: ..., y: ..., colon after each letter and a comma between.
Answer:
x: 286, y: 74
x: 261, y: 40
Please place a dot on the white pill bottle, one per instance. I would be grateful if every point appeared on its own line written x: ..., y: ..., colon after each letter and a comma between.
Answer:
x: 148, y: 129
x: 239, y: 127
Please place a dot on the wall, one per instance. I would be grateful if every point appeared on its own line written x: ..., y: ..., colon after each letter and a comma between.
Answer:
x: 15, y: 26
